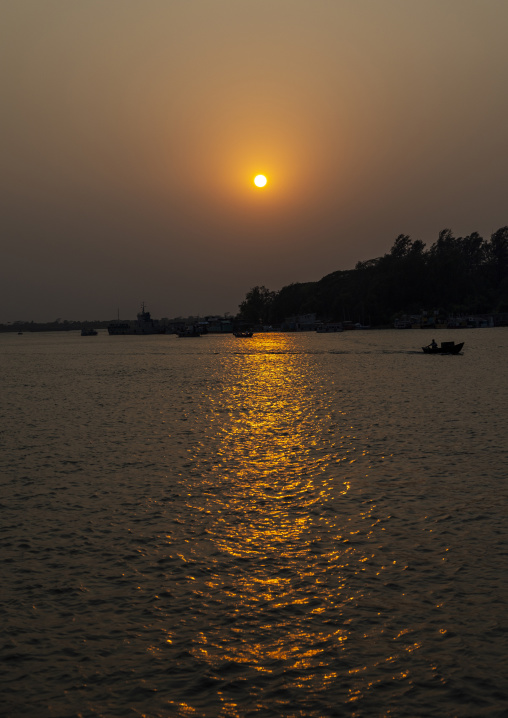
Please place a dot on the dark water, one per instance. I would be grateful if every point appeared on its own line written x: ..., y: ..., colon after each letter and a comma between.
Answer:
x: 288, y: 525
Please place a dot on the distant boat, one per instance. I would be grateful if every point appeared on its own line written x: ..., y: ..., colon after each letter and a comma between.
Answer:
x: 445, y: 348
x: 243, y: 334
x: 89, y: 332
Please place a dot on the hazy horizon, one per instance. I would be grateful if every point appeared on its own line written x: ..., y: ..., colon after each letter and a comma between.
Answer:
x: 132, y: 133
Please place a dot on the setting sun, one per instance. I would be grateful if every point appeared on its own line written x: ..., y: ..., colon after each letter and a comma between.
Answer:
x: 260, y: 180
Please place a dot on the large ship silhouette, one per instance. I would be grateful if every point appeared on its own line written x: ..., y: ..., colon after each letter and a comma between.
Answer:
x: 144, y: 324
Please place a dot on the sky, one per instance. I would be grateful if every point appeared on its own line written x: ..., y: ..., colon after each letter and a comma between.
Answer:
x: 132, y: 132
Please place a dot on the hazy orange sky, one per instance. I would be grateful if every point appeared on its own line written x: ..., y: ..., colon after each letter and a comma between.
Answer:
x: 132, y: 131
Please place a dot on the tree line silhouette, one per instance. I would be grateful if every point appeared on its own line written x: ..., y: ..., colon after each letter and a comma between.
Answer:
x: 455, y: 276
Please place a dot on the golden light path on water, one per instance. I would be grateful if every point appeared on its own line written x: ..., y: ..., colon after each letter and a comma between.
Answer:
x: 283, y: 536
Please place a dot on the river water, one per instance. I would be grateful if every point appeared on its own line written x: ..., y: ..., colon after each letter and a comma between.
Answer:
x: 289, y: 525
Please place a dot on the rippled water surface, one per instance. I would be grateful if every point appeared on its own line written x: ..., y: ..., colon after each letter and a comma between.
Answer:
x: 288, y: 525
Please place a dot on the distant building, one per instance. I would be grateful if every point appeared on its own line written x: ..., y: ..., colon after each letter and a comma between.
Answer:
x: 219, y: 325
x: 300, y: 323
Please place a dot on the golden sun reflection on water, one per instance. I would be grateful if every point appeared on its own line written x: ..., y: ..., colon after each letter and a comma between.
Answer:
x: 275, y: 488
x: 271, y: 452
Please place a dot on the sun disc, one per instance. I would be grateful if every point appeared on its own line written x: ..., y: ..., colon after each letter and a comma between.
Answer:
x: 260, y: 180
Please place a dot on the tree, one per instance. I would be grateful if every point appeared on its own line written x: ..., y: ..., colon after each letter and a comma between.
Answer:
x: 497, y: 253
x: 463, y: 274
x: 257, y: 305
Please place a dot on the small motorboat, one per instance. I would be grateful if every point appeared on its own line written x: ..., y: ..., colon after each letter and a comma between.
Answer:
x: 244, y: 334
x: 89, y: 332
x: 445, y: 348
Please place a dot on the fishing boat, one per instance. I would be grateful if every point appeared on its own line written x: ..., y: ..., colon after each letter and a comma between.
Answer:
x: 445, y: 348
x: 91, y: 332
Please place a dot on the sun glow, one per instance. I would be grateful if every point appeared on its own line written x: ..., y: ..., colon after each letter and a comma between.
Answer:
x: 260, y: 180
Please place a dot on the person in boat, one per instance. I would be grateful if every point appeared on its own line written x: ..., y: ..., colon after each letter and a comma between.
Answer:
x: 433, y: 344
